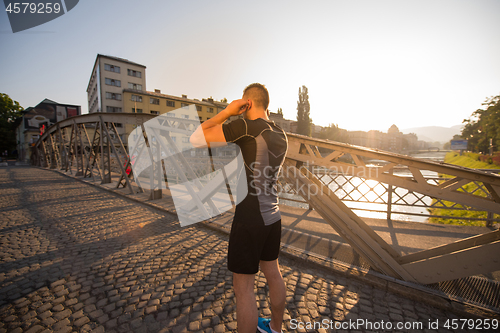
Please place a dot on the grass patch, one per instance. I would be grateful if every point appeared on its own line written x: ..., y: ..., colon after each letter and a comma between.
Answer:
x: 470, y: 161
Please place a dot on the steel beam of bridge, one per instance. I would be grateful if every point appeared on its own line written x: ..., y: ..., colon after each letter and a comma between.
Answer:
x: 67, y: 145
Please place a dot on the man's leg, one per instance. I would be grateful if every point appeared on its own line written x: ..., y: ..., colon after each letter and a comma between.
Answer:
x: 277, y: 292
x: 246, y: 306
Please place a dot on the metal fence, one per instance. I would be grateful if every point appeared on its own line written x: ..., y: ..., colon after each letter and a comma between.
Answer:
x: 372, y: 198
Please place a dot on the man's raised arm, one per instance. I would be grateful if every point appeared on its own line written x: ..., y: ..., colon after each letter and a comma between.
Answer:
x: 210, y: 133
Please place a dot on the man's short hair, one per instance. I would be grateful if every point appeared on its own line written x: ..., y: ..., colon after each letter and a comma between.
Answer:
x: 258, y: 94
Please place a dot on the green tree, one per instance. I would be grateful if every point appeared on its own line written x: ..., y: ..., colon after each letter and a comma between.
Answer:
x: 280, y: 111
x: 334, y: 133
x: 10, y: 111
x: 303, y: 120
x: 482, y: 126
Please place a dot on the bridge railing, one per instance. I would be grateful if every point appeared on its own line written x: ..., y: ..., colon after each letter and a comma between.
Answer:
x: 374, y: 199
x: 451, y: 261
x: 90, y: 146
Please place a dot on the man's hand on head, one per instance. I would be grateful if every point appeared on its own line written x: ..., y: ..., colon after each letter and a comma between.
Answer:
x: 238, y: 106
x: 210, y: 132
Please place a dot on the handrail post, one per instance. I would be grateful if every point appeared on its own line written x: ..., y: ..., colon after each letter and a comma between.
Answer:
x: 389, y: 199
x: 489, y: 220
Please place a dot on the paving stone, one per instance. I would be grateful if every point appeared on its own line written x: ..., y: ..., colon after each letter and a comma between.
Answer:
x: 205, y: 323
x: 35, y: 329
x: 96, y: 313
x: 28, y: 315
x: 75, y: 287
x: 60, y: 324
x: 154, y: 302
x: 215, y: 320
x: 61, y: 315
x: 44, y: 307
x: 57, y: 283
x: 154, y: 327
x: 124, y: 318
x: 23, y: 304
x: 81, y: 321
x: 116, y: 313
x: 136, y: 323
x: 59, y: 300
x: 194, y: 325
x: 101, y: 303
x: 149, y: 319
x: 219, y: 328
x: 138, y: 313
x: 49, y: 321
x: 45, y: 314
x: 145, y: 297
x: 64, y: 329
x: 103, y: 318
x: 99, y: 329
x: 110, y: 324
x: 58, y: 307
x: 109, y: 307
x: 231, y: 325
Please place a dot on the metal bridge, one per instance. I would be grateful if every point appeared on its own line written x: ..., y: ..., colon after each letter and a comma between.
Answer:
x: 90, y: 146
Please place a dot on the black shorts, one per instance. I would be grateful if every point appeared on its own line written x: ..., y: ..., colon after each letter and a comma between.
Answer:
x: 251, y: 241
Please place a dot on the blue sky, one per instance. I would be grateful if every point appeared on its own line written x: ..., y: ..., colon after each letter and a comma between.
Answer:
x: 367, y: 64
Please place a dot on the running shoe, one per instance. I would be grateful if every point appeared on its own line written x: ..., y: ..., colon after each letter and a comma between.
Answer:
x: 263, y: 325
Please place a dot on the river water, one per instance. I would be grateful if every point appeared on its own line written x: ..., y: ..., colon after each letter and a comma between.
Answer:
x: 435, y: 156
x: 378, y: 210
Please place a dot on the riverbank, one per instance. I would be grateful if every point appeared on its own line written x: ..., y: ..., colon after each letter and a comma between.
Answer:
x: 469, y: 160
x: 465, y: 160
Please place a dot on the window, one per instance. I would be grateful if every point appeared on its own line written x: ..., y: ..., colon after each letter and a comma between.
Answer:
x: 118, y: 125
x: 134, y: 86
x: 113, y: 82
x: 184, y: 105
x: 154, y: 101
x: 174, y: 138
x: 137, y: 98
x: 112, y: 68
x: 109, y: 95
x: 113, y: 109
x: 201, y: 119
x: 170, y: 114
x: 210, y: 110
x: 133, y: 73
x: 198, y: 108
x: 185, y: 139
x: 185, y: 116
x: 155, y: 112
x: 171, y: 103
x: 138, y: 110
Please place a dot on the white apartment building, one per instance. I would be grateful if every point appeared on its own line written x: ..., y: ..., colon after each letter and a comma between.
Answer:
x: 110, y: 76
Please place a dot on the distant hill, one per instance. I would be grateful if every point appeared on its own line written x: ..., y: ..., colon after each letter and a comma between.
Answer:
x: 434, y: 133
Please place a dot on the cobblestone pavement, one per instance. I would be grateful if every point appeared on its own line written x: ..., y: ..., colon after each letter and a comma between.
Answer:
x: 75, y: 258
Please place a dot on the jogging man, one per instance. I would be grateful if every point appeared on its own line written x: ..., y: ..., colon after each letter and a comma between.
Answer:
x: 256, y: 230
